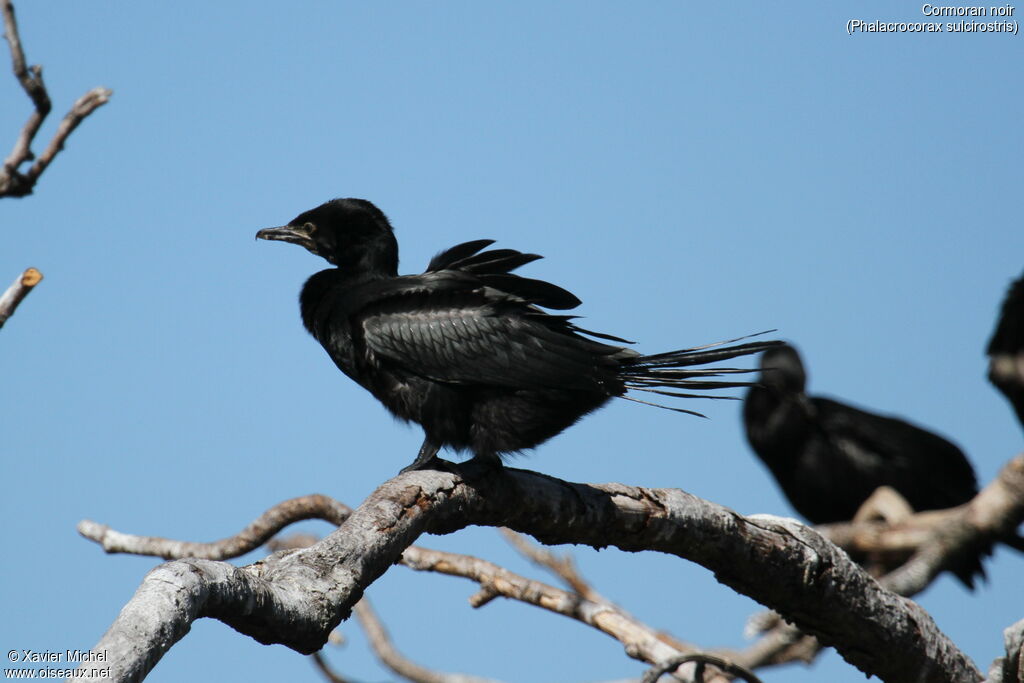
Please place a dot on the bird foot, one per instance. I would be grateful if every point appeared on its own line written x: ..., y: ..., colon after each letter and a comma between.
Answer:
x: 435, y: 463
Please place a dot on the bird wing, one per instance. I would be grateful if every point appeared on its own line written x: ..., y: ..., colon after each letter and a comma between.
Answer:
x: 452, y: 328
x: 931, y: 472
x: 494, y: 269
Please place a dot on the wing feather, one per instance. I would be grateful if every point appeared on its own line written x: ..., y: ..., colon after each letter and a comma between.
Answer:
x: 454, y: 339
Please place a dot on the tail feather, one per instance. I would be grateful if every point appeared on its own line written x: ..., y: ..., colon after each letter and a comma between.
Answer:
x: 658, y: 405
x: 683, y: 374
x: 698, y: 355
x: 667, y: 373
x: 680, y: 394
x: 641, y: 382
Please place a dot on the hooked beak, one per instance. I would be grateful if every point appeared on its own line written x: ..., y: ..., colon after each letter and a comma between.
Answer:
x: 287, y: 233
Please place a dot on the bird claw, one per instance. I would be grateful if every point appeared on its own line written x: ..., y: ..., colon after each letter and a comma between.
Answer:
x: 434, y: 463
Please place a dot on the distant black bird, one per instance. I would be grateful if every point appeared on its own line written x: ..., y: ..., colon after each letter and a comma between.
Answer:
x: 464, y: 349
x: 1006, y: 349
x: 829, y: 457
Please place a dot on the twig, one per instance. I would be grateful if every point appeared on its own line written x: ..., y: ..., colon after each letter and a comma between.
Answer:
x: 658, y: 670
x: 315, y: 506
x: 13, y: 183
x: 781, y: 643
x: 639, y: 640
x: 562, y: 566
x: 382, y: 645
x: 83, y: 106
x: 31, y: 80
x: 18, y: 291
x: 325, y: 669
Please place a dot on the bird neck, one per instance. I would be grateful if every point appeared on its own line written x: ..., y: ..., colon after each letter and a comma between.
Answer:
x: 776, y: 422
x: 375, y: 257
x: 326, y: 289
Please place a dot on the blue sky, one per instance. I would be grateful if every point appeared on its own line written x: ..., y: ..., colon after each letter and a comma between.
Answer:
x: 691, y: 171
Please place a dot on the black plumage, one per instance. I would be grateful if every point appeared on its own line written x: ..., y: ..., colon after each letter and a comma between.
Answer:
x: 1006, y: 349
x: 464, y: 348
x: 829, y: 457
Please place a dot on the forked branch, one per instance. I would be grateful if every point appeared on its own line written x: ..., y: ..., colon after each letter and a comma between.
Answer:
x: 13, y: 182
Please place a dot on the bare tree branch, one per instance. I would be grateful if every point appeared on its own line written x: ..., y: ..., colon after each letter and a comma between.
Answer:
x: 640, y: 640
x: 931, y: 539
x: 561, y: 566
x: 1010, y: 669
x: 18, y: 290
x: 315, y: 506
x: 13, y: 183
x: 31, y: 80
x: 934, y: 539
x: 296, y: 598
x: 782, y: 643
x: 324, y: 668
x: 381, y: 643
x: 377, y: 634
x: 654, y: 673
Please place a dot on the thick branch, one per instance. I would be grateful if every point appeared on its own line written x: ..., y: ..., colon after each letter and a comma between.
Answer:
x: 297, y: 598
x: 931, y: 540
x: 18, y: 290
x: 640, y: 640
x: 12, y: 182
x: 782, y: 643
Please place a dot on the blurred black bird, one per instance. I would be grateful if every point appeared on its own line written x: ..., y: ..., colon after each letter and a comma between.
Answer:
x: 1006, y: 349
x: 464, y: 349
x: 829, y: 457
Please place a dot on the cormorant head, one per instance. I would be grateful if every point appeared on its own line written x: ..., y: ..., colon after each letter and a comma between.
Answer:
x: 781, y: 369
x: 350, y: 233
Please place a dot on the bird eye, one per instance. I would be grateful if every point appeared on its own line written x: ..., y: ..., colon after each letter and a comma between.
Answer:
x: 309, y: 228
